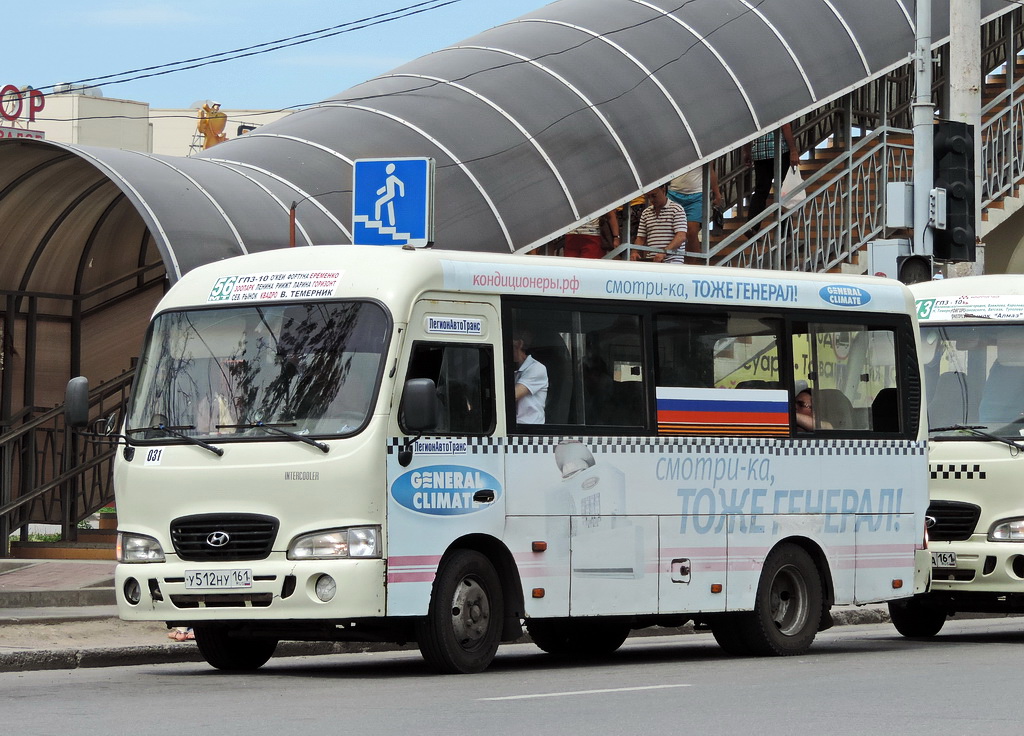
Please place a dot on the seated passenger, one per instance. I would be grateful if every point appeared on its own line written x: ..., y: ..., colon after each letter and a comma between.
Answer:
x: 805, y: 412
x: 531, y: 384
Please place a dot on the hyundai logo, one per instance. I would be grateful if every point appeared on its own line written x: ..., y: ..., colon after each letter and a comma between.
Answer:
x: 218, y: 539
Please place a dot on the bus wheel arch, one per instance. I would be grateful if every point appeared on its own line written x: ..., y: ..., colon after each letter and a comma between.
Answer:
x: 788, y: 605
x: 828, y: 592
x: 468, y: 615
x: 508, y: 573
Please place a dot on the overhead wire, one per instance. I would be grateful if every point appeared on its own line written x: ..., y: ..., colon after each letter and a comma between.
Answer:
x: 260, y: 48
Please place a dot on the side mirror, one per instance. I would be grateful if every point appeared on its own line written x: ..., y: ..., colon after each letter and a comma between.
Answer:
x: 76, y: 403
x: 419, y: 405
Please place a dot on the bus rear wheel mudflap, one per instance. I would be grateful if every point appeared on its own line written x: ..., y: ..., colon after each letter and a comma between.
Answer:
x: 462, y: 629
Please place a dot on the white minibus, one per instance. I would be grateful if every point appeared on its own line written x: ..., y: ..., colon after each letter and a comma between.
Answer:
x: 972, y: 335
x: 347, y: 443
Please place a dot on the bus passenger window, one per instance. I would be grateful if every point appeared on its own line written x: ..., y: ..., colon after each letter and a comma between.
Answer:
x: 464, y: 378
x: 594, y: 364
x: 719, y: 374
x: 850, y: 370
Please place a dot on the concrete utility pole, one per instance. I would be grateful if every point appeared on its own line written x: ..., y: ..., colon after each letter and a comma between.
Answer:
x: 965, y: 90
x: 923, y: 128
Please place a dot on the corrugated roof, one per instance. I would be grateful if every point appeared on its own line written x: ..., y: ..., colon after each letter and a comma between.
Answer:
x: 535, y: 124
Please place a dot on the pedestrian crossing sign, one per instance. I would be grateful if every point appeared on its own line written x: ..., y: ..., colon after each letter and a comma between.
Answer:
x: 393, y: 201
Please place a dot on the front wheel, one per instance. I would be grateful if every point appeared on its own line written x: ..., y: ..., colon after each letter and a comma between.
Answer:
x: 916, y: 619
x: 233, y: 654
x: 462, y: 629
x: 788, y: 606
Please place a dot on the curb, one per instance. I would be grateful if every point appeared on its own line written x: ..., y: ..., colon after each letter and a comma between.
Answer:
x: 101, y: 596
x: 71, y: 659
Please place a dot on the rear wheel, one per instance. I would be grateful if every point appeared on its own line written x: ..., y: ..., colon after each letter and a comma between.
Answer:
x: 578, y: 637
x: 788, y: 606
x: 915, y: 619
x: 462, y: 629
x: 230, y: 653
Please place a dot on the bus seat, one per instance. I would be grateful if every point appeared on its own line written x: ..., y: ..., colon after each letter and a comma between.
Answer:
x: 885, y: 411
x: 757, y: 383
x: 832, y: 406
x: 1001, y: 397
x: 627, y: 400
x: 554, y: 356
x: 948, y: 404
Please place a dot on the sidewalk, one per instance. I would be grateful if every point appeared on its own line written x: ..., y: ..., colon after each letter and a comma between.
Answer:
x: 60, y: 614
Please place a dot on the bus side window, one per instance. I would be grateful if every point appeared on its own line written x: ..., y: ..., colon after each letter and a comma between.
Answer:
x: 594, y: 362
x: 464, y: 376
x: 850, y: 370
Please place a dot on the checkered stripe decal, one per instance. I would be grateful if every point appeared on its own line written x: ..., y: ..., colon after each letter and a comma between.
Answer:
x: 474, y: 445
x: 536, y: 444
x: 956, y: 472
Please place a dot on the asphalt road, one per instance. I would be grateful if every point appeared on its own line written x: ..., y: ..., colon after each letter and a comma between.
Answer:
x: 856, y: 680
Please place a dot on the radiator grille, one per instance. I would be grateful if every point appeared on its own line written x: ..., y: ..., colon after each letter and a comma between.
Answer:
x: 235, y: 537
x: 954, y: 520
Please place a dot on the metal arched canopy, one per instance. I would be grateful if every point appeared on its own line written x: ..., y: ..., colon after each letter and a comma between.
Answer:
x: 534, y: 125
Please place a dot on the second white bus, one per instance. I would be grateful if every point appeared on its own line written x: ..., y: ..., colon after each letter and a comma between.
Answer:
x: 972, y: 333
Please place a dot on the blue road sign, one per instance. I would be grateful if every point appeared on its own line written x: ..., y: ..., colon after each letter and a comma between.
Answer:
x: 393, y: 201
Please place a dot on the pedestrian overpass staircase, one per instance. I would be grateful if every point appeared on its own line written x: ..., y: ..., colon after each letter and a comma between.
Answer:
x: 851, y: 147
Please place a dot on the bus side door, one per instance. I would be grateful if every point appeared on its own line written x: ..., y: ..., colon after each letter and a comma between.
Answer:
x: 447, y: 483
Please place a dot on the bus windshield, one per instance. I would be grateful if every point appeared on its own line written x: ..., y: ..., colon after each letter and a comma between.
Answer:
x: 975, y: 378
x: 259, y: 372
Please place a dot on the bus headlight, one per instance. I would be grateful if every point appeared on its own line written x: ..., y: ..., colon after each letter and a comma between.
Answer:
x: 1007, y: 530
x: 356, y: 541
x: 138, y: 548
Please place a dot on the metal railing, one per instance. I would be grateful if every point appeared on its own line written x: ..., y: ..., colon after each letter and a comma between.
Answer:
x: 69, y: 476
x: 843, y: 207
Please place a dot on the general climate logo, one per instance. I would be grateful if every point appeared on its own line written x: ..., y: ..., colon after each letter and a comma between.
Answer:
x: 844, y: 296
x: 443, y: 490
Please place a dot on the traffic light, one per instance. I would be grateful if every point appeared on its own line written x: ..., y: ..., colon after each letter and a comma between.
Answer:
x: 954, y: 172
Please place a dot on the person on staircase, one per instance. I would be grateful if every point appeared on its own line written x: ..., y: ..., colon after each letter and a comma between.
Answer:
x: 662, y: 225
x: 760, y: 155
x: 688, y: 190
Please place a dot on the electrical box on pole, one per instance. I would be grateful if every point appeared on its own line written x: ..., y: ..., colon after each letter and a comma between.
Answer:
x: 954, y: 172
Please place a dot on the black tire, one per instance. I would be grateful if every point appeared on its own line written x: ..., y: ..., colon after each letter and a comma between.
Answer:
x: 578, y: 637
x: 728, y: 632
x: 788, y: 606
x: 462, y: 629
x: 915, y: 619
x: 232, y: 654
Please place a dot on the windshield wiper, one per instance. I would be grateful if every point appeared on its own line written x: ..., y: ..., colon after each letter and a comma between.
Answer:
x: 177, y: 433
x: 977, y: 430
x: 323, y: 447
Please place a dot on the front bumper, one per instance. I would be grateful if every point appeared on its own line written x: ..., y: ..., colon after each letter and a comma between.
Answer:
x: 281, y: 590
x: 981, y: 566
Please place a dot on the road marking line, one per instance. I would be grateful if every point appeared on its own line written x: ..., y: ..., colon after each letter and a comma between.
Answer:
x: 584, y: 692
